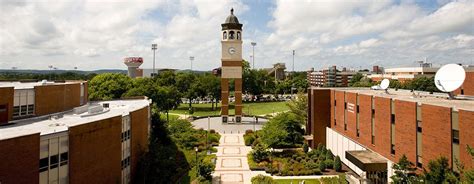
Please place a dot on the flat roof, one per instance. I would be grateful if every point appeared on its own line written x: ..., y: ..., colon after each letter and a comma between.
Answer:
x: 31, y: 85
x: 422, y: 97
x: 367, y: 160
x: 46, y: 125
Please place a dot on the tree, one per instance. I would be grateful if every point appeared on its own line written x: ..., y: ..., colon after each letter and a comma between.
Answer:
x: 284, y: 130
x: 439, y: 172
x: 337, y: 164
x: 305, y: 147
x: 259, y: 153
x: 186, y: 85
x: 205, y: 170
x: 108, y: 86
x: 355, y: 78
x: 404, y: 171
x: 299, y: 107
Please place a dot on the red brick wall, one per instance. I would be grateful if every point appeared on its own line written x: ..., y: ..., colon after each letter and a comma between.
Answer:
x: 436, y: 135
x: 382, y: 127
x: 332, y: 96
x: 351, y: 117
x: 6, y: 97
x: 139, y: 137
x: 365, y: 120
x: 468, y: 85
x: 320, y: 117
x: 405, y: 130
x: 95, y: 152
x: 20, y: 160
x: 339, y: 111
x: 466, y: 130
x: 56, y: 98
x: 309, y: 129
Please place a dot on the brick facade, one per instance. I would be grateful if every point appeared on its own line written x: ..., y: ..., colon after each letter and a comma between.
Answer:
x: 351, y: 115
x: 382, y: 126
x: 365, y: 120
x: 340, y: 98
x: 56, y: 98
x: 319, y: 117
x: 20, y: 160
x: 466, y: 128
x: 6, y: 98
x: 436, y: 133
x: 139, y: 138
x: 405, y: 130
x: 95, y: 152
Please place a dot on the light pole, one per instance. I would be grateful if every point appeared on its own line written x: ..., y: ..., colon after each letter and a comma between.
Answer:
x: 154, y: 46
x: 293, y: 67
x: 253, y: 54
x: 191, y: 58
x: 50, y: 68
x: 207, y: 134
x: 197, y: 163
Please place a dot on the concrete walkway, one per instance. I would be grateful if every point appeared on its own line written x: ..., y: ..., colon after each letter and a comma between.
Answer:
x: 231, y: 165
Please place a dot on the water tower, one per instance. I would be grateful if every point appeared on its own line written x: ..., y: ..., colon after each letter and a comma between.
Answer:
x: 133, y: 63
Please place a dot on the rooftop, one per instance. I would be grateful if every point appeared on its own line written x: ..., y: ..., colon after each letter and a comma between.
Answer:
x: 60, y: 122
x: 31, y: 85
x: 422, y: 97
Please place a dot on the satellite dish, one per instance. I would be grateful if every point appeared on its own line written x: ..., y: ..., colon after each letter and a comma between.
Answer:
x: 384, y: 84
x: 449, y: 78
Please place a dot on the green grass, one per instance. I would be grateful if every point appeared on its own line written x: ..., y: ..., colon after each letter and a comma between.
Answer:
x: 255, y: 108
x: 296, y: 181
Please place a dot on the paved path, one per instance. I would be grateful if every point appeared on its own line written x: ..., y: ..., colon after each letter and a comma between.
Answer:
x: 231, y: 165
x: 215, y: 123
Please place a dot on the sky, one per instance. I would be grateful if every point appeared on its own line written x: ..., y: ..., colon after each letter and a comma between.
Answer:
x: 98, y: 34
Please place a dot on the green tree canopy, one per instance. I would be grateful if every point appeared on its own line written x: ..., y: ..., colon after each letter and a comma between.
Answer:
x: 284, y: 130
x: 109, y: 86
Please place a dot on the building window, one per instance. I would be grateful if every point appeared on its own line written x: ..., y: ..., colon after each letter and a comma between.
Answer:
x: 392, y: 118
x: 53, y: 161
x: 23, y: 102
x: 238, y: 35
x: 392, y: 149
x: 456, y: 136
x: 224, y: 35
x: 43, y: 164
x: 418, y: 126
x: 64, y: 158
x: 419, y: 161
x: 231, y: 35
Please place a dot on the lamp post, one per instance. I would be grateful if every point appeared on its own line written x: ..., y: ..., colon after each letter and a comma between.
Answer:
x: 253, y: 54
x: 154, y: 47
x: 191, y: 58
x: 197, y: 163
x: 207, y: 134
x: 50, y: 68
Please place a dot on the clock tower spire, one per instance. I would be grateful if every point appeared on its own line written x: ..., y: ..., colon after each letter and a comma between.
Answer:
x: 231, y: 41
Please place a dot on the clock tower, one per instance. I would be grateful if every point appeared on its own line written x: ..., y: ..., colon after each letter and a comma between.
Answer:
x: 231, y: 40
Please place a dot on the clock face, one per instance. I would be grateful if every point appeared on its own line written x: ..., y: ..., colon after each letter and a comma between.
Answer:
x: 232, y: 50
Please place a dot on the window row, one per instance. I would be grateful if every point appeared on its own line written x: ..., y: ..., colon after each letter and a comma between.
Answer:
x: 126, y: 135
x: 125, y: 162
x: 53, y: 161
x: 24, y: 110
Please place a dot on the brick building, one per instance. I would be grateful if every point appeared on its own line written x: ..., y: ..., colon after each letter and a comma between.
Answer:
x: 20, y: 100
x: 330, y: 77
x: 98, y: 142
x: 370, y: 130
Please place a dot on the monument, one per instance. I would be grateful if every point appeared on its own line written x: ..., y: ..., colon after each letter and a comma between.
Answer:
x: 231, y: 66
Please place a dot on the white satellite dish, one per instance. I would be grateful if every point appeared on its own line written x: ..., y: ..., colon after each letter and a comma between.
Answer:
x: 384, y: 84
x: 449, y: 78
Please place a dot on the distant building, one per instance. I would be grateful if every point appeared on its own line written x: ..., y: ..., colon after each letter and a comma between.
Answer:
x: 54, y: 135
x: 404, y: 74
x: 148, y: 72
x: 278, y: 71
x: 330, y: 77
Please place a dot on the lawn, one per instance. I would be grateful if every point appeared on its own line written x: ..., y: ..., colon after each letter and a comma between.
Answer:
x: 296, y: 181
x: 254, y: 108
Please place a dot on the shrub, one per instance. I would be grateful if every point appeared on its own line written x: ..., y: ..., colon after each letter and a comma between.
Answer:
x: 261, y: 179
x: 205, y: 169
x: 312, y: 165
x: 249, y: 139
x: 305, y: 148
x: 212, y: 131
x: 248, y: 131
x: 259, y: 154
x: 320, y: 147
x: 337, y: 164
x: 329, y: 163
x: 212, y: 138
x: 322, y: 166
x: 316, y: 172
x: 329, y: 155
